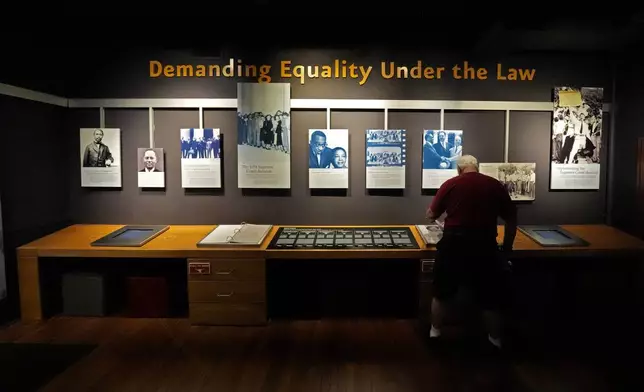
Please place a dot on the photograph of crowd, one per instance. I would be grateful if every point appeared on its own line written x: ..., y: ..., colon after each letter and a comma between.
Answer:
x: 264, y: 130
x: 386, y: 147
x: 519, y: 179
x: 577, y: 125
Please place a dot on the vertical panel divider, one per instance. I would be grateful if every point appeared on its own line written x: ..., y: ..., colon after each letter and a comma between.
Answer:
x: 151, y: 124
x: 506, y: 144
x: 101, y: 116
x: 328, y: 118
x: 386, y: 118
x: 442, y: 125
x: 201, y: 117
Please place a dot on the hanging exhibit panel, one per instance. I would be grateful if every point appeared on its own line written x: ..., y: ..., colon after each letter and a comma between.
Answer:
x: 519, y: 179
x: 386, y: 155
x: 264, y: 135
x: 100, y: 155
x: 576, y: 138
x: 151, y: 167
x: 328, y: 151
x: 200, y: 158
x: 441, y: 150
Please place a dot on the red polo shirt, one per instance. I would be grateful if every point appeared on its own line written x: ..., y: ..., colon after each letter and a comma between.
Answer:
x: 473, y: 201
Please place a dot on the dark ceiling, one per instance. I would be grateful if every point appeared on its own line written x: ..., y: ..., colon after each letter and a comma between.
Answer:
x: 346, y: 24
x: 82, y: 30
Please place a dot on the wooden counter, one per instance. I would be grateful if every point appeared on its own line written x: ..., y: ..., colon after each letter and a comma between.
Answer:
x: 180, y: 241
x: 248, y: 263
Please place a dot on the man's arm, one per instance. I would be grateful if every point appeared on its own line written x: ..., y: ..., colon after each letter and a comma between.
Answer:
x: 437, y: 207
x: 509, y: 216
x: 86, y: 157
x: 108, y: 154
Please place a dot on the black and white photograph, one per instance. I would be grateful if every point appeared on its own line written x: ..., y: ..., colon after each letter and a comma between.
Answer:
x: 200, y: 157
x: 384, y: 136
x: 150, y: 165
x: 386, y: 158
x: 576, y: 138
x: 100, y: 152
x: 328, y: 158
x: 519, y: 179
x: 200, y: 143
x: 264, y: 135
x: 441, y: 150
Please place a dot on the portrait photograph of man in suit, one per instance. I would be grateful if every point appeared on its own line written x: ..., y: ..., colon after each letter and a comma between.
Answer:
x: 320, y: 155
x: 100, y: 154
x: 150, y: 164
x: 97, y: 153
x: 150, y: 160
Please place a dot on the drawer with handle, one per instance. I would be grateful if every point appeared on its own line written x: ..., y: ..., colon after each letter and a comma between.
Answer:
x: 227, y: 292
x: 226, y: 269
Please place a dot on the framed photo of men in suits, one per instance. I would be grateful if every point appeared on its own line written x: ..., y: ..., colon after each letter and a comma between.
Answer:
x: 150, y: 166
x: 100, y: 155
x: 441, y: 150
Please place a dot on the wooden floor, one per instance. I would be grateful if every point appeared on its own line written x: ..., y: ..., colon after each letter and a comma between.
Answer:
x: 303, y: 356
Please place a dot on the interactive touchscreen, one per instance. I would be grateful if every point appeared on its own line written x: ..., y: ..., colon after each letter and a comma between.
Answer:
x: 134, y: 234
x: 552, y: 235
x: 343, y: 238
x: 130, y: 236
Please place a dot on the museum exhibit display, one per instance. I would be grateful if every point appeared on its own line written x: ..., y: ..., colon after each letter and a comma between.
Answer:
x: 518, y: 178
x: 245, y: 234
x: 576, y: 138
x: 326, y: 247
x: 328, y: 158
x: 200, y: 158
x: 441, y: 149
x: 552, y: 236
x: 386, y: 157
x: 343, y: 238
x: 131, y: 236
x: 151, y: 167
x: 264, y: 135
x: 100, y: 153
x: 430, y: 234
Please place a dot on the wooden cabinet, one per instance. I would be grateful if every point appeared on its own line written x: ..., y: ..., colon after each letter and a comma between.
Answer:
x: 227, y: 291
x: 425, y: 291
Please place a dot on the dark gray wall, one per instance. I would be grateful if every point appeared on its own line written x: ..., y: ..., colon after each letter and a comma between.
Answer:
x: 483, y: 137
x: 126, y: 76
x: 33, y: 179
x: 628, y: 121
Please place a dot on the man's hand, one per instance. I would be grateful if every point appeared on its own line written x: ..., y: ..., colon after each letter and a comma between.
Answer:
x: 430, y: 215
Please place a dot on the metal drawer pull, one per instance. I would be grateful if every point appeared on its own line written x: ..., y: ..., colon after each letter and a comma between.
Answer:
x: 230, y: 271
x: 427, y: 265
x: 225, y: 294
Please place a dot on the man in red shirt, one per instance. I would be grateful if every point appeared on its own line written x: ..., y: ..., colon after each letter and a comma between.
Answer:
x: 468, y: 253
